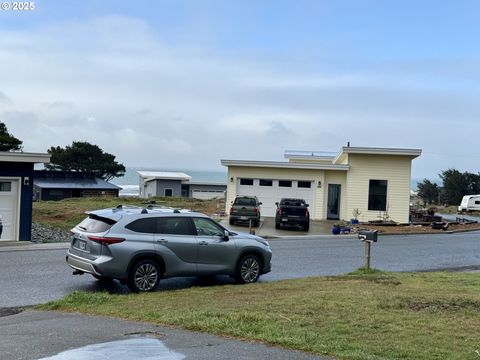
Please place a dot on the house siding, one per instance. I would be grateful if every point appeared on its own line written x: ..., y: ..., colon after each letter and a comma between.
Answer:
x: 175, y: 185
x: 363, y: 168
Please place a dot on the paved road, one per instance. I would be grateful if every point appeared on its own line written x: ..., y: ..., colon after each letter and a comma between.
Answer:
x: 32, y: 277
x: 34, y: 335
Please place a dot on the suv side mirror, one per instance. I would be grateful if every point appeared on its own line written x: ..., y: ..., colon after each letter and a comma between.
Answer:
x: 226, y: 235
x: 306, y: 205
x: 276, y: 203
x: 260, y: 203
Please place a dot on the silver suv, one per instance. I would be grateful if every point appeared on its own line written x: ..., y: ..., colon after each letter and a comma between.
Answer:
x: 138, y: 246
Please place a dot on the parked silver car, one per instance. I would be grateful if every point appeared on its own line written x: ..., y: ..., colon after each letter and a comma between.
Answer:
x: 138, y: 246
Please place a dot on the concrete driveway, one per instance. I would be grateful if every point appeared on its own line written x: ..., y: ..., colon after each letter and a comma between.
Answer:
x: 267, y: 228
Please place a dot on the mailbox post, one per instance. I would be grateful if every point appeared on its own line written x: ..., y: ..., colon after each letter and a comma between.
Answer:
x: 368, y: 237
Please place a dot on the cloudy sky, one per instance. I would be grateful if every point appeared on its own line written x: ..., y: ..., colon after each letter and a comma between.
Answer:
x: 183, y: 84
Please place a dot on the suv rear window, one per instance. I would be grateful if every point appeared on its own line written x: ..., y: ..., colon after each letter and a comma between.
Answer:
x: 245, y: 201
x: 96, y: 224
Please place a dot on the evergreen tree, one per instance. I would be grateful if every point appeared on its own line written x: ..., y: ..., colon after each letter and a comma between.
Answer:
x: 428, y: 191
x: 83, y: 156
x: 8, y: 142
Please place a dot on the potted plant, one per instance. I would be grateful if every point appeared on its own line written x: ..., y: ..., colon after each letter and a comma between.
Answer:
x: 355, y: 214
x: 340, y: 228
x: 336, y: 228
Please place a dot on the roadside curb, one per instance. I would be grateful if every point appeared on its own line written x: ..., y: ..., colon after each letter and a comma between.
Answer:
x: 354, y: 236
x: 35, y: 247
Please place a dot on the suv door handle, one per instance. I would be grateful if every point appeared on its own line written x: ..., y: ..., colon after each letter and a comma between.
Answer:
x: 203, y: 242
x: 162, y: 241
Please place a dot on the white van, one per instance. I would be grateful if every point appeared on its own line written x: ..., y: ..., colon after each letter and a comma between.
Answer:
x: 470, y: 203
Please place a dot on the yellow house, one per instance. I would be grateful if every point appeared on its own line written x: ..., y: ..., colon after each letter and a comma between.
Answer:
x: 371, y: 182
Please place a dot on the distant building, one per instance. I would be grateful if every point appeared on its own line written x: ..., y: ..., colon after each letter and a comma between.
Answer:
x: 177, y: 184
x: 58, y: 185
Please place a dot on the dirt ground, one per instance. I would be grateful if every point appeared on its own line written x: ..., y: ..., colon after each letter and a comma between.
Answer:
x: 409, y: 229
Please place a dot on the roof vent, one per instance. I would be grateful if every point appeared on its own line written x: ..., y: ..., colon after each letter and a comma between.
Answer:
x: 176, y: 211
x: 119, y: 206
x: 144, y: 211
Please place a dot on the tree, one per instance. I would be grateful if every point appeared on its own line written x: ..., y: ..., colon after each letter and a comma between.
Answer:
x: 8, y: 142
x: 428, y: 191
x: 83, y: 156
x: 457, y: 184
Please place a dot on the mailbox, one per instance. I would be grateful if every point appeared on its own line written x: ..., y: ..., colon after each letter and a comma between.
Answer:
x: 368, y: 235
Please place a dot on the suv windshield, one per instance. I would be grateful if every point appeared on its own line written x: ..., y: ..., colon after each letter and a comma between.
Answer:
x: 292, y: 202
x: 245, y: 201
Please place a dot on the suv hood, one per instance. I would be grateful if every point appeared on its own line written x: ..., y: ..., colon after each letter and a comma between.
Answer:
x: 252, y: 237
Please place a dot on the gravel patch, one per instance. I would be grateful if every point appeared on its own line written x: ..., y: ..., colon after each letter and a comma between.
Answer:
x: 47, y: 234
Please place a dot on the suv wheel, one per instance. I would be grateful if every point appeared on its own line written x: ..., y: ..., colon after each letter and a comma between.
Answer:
x: 248, y: 269
x: 144, y: 276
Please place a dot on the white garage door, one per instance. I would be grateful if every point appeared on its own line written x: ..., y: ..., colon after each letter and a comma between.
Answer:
x: 9, y: 206
x: 270, y: 191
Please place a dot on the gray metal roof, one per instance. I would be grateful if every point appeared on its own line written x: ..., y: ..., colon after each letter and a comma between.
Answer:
x: 59, y: 183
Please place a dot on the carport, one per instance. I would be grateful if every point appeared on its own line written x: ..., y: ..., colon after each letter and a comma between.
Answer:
x: 16, y: 191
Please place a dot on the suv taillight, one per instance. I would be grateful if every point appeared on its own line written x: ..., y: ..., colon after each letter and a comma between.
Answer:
x: 279, y: 211
x: 255, y: 210
x: 232, y: 210
x: 106, y: 240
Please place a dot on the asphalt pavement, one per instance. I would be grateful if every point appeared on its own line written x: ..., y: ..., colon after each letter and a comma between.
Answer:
x: 33, y: 274
x: 57, y: 336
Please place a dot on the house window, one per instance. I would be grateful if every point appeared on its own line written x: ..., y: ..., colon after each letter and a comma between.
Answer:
x: 305, y: 184
x: 5, y: 186
x: 477, y: 202
x: 284, y: 183
x: 264, y: 182
x: 246, y: 182
x: 377, y: 195
x: 168, y: 192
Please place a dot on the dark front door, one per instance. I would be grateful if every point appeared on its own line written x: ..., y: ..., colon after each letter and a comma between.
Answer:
x: 333, y: 203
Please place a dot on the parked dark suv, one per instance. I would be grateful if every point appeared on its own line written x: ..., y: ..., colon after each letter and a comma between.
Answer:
x: 244, y: 209
x: 292, y: 212
x: 138, y: 246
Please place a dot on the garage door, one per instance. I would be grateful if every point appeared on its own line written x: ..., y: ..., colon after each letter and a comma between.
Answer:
x: 9, y: 202
x: 269, y: 191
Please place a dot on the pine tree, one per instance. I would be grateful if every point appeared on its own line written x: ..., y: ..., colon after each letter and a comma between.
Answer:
x: 8, y: 142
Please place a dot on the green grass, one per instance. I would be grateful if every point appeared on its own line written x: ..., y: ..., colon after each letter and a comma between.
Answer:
x: 65, y: 214
x: 356, y: 316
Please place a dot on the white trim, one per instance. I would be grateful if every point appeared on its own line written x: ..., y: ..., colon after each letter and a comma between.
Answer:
x: 377, y: 151
x: 24, y: 157
x: 284, y: 165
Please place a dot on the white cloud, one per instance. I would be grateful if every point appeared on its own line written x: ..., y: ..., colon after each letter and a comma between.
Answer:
x: 114, y: 82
